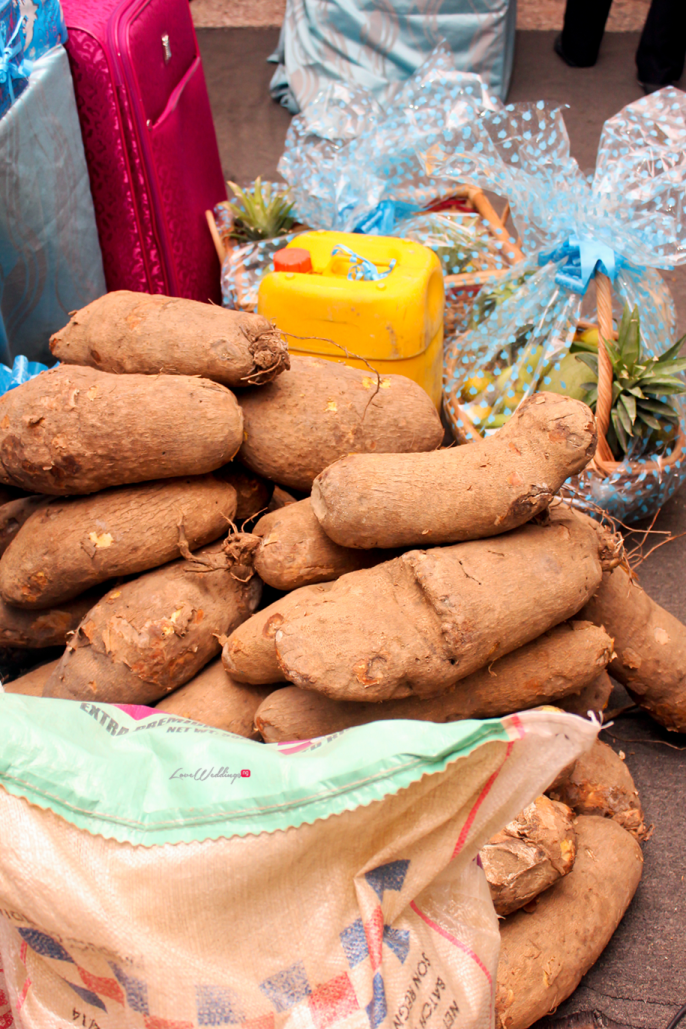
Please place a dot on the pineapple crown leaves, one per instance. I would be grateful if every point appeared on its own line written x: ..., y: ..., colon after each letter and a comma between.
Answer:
x: 639, y: 383
x: 260, y: 213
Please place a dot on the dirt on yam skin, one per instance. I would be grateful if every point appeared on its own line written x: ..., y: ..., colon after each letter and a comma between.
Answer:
x: 545, y: 952
x: 558, y: 662
x: 461, y: 493
x: 151, y: 635
x: 531, y: 853
x: 650, y: 645
x: 74, y: 430
x: 74, y: 543
x: 215, y: 699
x: 321, y: 410
x: 418, y: 624
x: 295, y: 551
x: 127, y: 332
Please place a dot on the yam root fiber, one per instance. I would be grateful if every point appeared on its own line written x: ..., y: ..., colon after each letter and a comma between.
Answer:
x: 47, y: 628
x: 531, y: 853
x: 545, y: 952
x: 650, y: 645
x: 136, y: 332
x: 419, y: 623
x: 593, y: 697
x: 461, y: 493
x: 320, y: 411
x: 295, y: 551
x: 73, y: 543
x: 151, y: 635
x: 215, y: 699
x: 13, y: 514
x: 559, y: 661
x: 249, y: 654
x: 32, y: 683
x: 599, y: 783
x: 76, y: 430
x: 253, y: 493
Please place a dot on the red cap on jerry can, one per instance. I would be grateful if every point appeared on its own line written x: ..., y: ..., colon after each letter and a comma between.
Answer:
x: 292, y: 259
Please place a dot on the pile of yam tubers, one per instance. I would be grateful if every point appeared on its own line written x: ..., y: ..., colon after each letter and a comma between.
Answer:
x: 179, y: 487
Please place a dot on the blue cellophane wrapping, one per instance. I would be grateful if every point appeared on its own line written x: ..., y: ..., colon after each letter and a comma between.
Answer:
x: 28, y: 30
x: 629, y: 216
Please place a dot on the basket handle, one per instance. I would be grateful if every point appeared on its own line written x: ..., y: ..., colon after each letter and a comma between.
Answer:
x: 604, y: 455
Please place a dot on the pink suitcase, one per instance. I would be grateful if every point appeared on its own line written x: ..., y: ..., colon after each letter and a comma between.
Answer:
x: 150, y: 143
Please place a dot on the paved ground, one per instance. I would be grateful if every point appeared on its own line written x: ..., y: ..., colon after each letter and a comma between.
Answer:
x: 641, y: 978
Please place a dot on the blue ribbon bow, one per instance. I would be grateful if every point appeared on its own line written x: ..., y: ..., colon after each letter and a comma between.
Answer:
x: 360, y: 267
x: 583, y: 257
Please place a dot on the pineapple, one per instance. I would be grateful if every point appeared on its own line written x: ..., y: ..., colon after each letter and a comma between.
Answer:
x: 258, y: 215
x: 642, y: 419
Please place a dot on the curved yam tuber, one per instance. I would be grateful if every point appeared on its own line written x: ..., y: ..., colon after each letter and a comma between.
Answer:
x: 418, y: 624
x: 49, y: 628
x: 253, y: 493
x: 593, y: 697
x: 32, y: 683
x: 151, y: 635
x: 599, y: 783
x: 531, y: 853
x: 249, y: 654
x: 462, y: 493
x: 650, y: 645
x: 559, y: 661
x: 295, y: 551
x: 321, y: 411
x: 136, y: 332
x: 14, y: 514
x: 215, y: 699
x: 545, y: 953
x: 76, y: 430
x: 74, y: 543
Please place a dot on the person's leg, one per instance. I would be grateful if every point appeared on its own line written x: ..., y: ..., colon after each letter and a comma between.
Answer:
x: 582, y: 33
x: 661, y: 51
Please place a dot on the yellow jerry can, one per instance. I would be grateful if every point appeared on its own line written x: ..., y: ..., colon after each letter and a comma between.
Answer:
x: 379, y: 297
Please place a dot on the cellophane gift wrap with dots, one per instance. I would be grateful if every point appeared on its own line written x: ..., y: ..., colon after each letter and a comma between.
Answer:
x: 626, y: 220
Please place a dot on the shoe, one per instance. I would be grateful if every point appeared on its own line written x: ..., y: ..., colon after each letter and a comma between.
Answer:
x: 557, y: 47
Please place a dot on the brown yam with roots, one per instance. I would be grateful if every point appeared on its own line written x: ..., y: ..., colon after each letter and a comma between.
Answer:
x: 253, y: 493
x: 215, y: 699
x: 151, y: 635
x: 27, y: 629
x: 136, y: 332
x: 418, y: 624
x: 599, y: 783
x: 531, y: 853
x: 544, y: 952
x: 295, y: 551
x: 558, y: 662
x: 32, y: 683
x: 650, y: 646
x: 76, y: 430
x: 71, y: 544
x: 462, y: 493
x: 320, y: 411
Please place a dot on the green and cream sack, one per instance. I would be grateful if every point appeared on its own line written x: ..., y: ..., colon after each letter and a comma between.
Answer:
x: 157, y: 874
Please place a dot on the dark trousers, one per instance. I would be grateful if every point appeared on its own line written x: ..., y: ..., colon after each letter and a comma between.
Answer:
x: 661, y: 51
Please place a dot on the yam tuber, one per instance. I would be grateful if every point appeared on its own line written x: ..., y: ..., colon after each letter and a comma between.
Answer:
x: 295, y: 551
x: 593, y: 697
x: 49, y: 628
x: 462, y: 493
x: 73, y: 543
x: 545, y: 953
x: 151, y: 635
x: 320, y: 411
x: 418, y: 624
x: 599, y: 783
x: 76, y: 430
x: 215, y: 699
x: 531, y: 853
x: 650, y: 645
x: 559, y: 661
x: 253, y: 493
x: 13, y: 514
x: 136, y: 332
x: 32, y: 683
